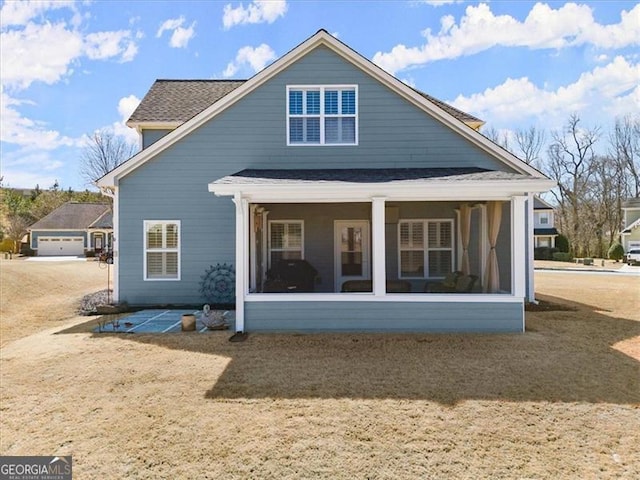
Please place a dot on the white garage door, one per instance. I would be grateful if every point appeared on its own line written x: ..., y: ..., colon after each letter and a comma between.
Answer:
x: 60, y: 246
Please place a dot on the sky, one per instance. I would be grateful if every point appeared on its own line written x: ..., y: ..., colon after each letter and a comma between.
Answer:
x: 70, y: 68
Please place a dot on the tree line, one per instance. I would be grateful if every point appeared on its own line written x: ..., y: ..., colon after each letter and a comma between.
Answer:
x: 596, y: 171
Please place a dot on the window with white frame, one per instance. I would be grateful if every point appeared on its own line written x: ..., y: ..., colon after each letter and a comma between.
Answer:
x: 544, y: 218
x: 322, y: 115
x: 286, y: 240
x: 161, y: 250
x: 425, y: 248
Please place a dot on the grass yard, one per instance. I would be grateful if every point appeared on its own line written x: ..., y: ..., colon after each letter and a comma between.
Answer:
x: 561, y: 401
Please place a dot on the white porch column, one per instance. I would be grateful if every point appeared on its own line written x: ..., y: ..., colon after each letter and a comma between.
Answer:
x: 378, y: 246
x: 518, y: 246
x: 531, y: 291
x: 242, y: 265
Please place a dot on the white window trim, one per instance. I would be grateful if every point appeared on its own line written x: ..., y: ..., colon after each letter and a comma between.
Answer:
x: 146, y: 250
x: 546, y: 216
x: 322, y: 115
x: 425, y: 249
x: 270, y: 249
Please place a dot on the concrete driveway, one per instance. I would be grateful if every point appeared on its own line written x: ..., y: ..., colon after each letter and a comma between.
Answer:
x: 67, y: 258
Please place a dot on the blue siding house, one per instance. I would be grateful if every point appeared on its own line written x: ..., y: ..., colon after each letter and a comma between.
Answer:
x: 345, y: 199
x: 72, y: 229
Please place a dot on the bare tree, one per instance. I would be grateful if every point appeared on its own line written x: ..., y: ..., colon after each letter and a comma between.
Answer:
x: 625, y: 147
x: 104, y: 152
x: 500, y: 138
x: 571, y: 158
x: 530, y: 142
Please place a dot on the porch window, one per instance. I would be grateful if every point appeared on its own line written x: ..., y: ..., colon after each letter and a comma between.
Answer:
x: 425, y: 248
x: 322, y: 115
x: 161, y: 250
x: 286, y: 240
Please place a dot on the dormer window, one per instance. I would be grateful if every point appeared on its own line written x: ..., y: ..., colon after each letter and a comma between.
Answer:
x: 322, y: 115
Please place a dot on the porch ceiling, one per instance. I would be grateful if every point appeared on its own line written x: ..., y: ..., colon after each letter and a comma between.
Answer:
x: 393, y: 183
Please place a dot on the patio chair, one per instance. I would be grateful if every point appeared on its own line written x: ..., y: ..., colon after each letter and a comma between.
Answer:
x: 463, y: 284
x: 448, y: 283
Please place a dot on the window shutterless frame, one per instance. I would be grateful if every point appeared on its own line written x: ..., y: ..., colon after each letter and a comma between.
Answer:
x: 288, y: 245
x: 163, y: 247
x: 424, y: 248
x: 322, y: 115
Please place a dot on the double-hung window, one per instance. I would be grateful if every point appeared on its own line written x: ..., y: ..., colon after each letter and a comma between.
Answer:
x: 322, y: 115
x: 425, y: 248
x: 161, y: 250
x: 286, y: 240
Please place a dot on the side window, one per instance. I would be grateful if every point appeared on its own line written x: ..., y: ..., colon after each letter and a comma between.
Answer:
x: 161, y: 250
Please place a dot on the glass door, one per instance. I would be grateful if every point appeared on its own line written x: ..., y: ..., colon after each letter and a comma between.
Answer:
x: 351, y: 252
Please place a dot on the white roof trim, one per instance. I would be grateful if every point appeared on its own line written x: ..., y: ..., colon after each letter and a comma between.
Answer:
x: 320, y: 38
x: 336, y: 192
x: 631, y: 227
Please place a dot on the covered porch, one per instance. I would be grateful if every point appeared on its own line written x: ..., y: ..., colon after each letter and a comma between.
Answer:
x: 379, y: 250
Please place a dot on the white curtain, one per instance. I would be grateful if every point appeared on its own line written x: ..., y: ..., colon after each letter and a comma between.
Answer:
x: 465, y: 228
x: 492, y: 273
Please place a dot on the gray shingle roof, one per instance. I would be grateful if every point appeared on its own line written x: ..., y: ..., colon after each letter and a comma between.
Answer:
x: 103, y: 221
x: 71, y: 216
x: 364, y: 175
x: 179, y: 100
x: 459, y: 114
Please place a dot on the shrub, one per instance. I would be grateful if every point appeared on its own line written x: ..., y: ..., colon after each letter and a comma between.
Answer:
x: 90, y: 253
x: 562, y: 243
x: 544, y: 253
x: 616, y: 252
x: 562, y: 257
x: 6, y: 245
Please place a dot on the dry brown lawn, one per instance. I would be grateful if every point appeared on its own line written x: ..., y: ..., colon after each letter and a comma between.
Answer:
x: 560, y: 401
x: 38, y: 295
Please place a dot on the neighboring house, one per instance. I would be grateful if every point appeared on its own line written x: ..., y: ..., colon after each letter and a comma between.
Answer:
x: 339, y: 193
x: 631, y: 231
x: 72, y: 229
x: 544, y: 231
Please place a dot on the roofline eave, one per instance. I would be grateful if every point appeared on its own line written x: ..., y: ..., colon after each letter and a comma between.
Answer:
x: 324, y: 191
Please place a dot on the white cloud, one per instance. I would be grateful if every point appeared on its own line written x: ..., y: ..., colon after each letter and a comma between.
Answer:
x: 479, y: 29
x: 439, y: 3
x: 258, y: 11
x: 180, y: 35
x: 18, y: 130
x: 46, y: 52
x: 256, y: 58
x: 126, y: 106
x: 20, y: 13
x: 102, y: 45
x: 38, y: 53
x: 612, y: 89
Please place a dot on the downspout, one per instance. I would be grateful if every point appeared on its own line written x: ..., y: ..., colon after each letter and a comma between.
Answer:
x: 531, y: 291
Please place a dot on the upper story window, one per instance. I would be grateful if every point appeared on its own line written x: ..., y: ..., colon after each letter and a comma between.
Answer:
x: 322, y: 115
x: 544, y: 218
